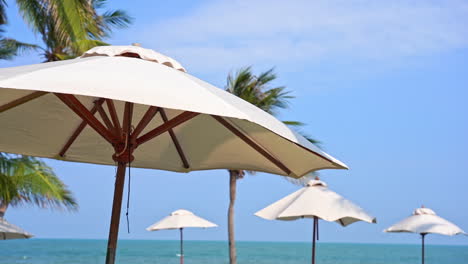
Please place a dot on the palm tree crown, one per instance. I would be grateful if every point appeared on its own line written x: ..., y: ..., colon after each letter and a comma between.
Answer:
x: 67, y: 28
x: 29, y: 180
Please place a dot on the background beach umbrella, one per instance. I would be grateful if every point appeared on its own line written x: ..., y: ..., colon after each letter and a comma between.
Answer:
x: 130, y: 106
x: 318, y: 202
x: 10, y: 231
x: 181, y: 219
x: 425, y: 221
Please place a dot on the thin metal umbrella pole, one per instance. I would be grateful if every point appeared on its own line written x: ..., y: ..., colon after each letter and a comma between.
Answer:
x: 181, y: 246
x: 422, y: 248
x: 314, y: 237
x: 116, y: 209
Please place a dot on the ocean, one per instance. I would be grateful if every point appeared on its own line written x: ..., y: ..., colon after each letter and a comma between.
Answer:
x: 61, y: 251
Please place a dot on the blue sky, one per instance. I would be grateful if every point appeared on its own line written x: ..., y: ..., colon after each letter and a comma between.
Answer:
x: 383, y: 84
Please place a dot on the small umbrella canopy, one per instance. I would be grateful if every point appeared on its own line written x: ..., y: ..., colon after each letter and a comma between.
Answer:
x: 425, y: 221
x: 316, y: 201
x: 10, y: 231
x: 133, y: 106
x: 180, y: 219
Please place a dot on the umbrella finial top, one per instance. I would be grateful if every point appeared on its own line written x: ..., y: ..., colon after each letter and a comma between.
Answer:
x: 181, y: 212
x: 135, y: 51
x: 423, y: 211
x: 316, y: 182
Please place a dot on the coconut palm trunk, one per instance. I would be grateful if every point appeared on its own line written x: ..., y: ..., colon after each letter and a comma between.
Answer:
x: 233, y: 176
x: 257, y: 90
x: 3, y: 208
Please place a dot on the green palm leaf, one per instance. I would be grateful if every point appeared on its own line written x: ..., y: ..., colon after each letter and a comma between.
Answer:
x: 28, y: 180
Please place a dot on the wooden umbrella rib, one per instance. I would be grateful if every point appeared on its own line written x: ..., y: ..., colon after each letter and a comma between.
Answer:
x: 21, y: 100
x: 145, y: 120
x: 77, y: 107
x: 175, y: 141
x: 104, y: 117
x: 80, y: 128
x: 127, y: 120
x: 114, y: 117
x: 185, y: 116
x: 252, y: 144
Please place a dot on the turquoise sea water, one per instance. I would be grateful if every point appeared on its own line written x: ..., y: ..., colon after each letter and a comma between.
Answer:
x: 61, y: 251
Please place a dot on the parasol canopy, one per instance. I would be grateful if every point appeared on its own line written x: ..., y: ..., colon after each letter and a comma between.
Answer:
x: 10, y: 231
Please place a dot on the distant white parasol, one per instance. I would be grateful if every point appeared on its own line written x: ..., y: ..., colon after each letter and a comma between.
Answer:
x: 425, y: 221
x: 181, y: 219
x: 318, y: 202
x: 10, y: 231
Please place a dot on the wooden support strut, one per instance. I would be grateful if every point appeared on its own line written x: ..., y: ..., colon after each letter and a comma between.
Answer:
x: 114, y: 117
x: 104, y: 117
x: 145, y: 120
x: 181, y: 118
x: 21, y: 100
x: 79, y: 129
x: 252, y: 144
x: 77, y: 107
x: 176, y: 142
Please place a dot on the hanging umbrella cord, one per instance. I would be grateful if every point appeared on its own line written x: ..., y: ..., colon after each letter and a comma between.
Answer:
x: 128, y: 196
x: 129, y: 179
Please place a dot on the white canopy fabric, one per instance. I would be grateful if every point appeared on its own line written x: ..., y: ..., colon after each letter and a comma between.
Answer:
x: 316, y: 200
x: 36, y: 122
x: 10, y: 231
x: 425, y: 221
x: 180, y: 219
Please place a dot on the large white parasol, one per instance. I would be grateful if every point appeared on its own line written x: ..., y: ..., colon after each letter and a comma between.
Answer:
x: 425, y: 221
x: 133, y: 106
x: 181, y: 219
x: 318, y: 202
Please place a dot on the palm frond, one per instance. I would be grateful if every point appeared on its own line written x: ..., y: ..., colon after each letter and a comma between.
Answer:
x: 28, y: 180
x: 3, y: 15
x: 9, y: 48
x: 293, y: 123
x: 116, y: 19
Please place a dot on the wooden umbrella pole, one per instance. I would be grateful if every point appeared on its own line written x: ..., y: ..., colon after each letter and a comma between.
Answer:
x: 116, y: 209
x: 181, y: 246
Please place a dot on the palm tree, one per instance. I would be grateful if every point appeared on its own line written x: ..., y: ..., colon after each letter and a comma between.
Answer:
x: 257, y: 91
x: 27, y: 180
x: 9, y: 47
x: 67, y: 28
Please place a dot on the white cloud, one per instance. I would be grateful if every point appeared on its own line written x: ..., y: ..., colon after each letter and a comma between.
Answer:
x: 221, y: 33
